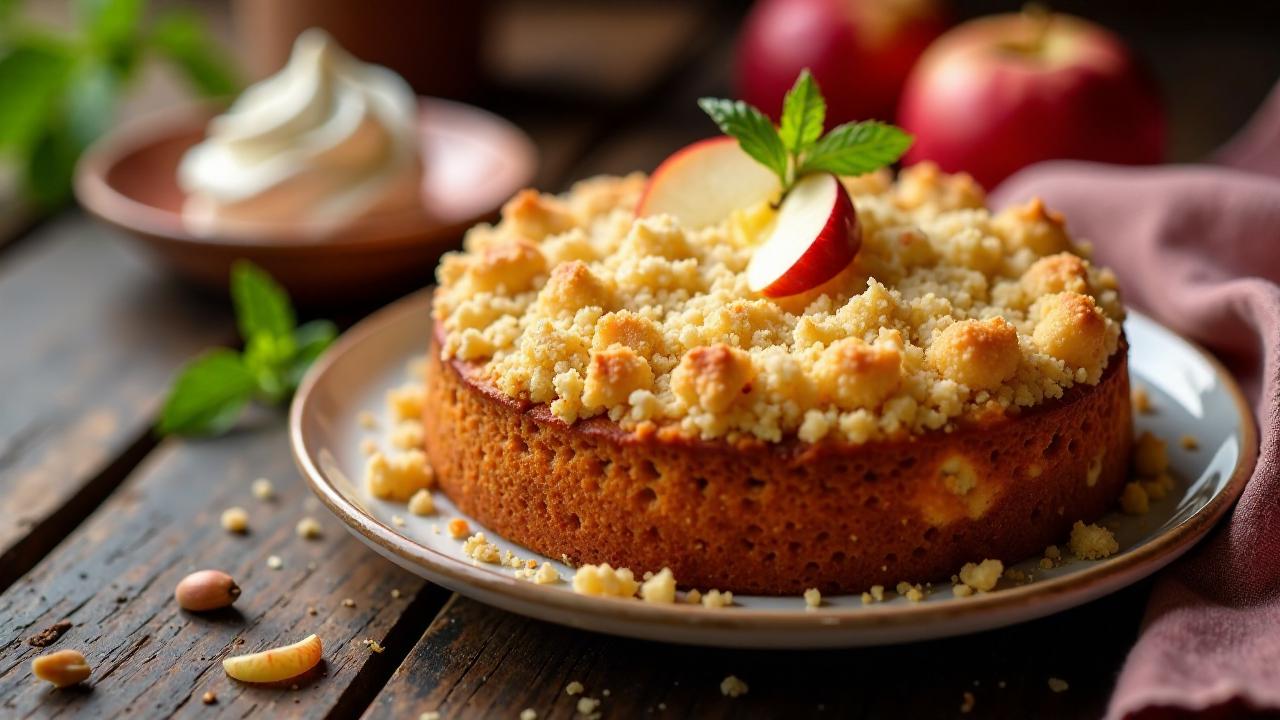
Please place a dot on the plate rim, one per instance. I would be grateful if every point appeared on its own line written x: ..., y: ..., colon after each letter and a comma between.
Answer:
x: 460, y: 575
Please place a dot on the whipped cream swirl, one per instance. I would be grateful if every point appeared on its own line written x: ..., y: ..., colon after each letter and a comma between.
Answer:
x: 324, y: 142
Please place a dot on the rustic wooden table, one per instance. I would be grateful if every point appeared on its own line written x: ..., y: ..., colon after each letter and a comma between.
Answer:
x: 99, y: 519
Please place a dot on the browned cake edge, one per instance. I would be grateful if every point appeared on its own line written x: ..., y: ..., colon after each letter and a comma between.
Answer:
x: 775, y: 519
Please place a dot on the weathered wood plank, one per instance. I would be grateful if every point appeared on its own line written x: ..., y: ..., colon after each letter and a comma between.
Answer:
x: 476, y: 662
x: 114, y: 579
x: 91, y: 338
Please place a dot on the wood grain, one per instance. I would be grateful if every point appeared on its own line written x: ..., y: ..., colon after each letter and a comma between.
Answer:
x: 92, y: 337
x: 114, y: 579
x: 475, y: 662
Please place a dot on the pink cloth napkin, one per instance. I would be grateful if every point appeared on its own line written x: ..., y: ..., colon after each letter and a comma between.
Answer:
x: 1198, y: 247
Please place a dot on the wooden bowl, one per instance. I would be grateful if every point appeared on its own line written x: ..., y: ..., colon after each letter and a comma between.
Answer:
x: 474, y: 161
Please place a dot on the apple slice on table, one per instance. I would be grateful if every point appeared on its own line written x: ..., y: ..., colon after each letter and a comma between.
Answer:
x: 815, y: 237
x: 702, y: 183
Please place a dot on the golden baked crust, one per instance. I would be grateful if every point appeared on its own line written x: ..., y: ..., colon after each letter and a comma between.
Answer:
x: 777, y: 517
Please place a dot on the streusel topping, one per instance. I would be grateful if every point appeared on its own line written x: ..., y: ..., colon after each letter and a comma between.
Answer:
x: 949, y: 311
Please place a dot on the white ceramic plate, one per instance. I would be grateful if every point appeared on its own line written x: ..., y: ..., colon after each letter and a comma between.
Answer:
x: 1192, y: 394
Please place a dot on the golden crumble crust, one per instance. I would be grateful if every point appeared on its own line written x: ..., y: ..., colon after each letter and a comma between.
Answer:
x: 985, y: 311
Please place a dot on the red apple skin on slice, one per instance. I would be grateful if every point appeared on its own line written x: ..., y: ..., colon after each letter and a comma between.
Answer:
x: 815, y: 237
x: 702, y: 183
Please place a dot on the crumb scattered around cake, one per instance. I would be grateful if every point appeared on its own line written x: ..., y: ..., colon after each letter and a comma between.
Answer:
x: 967, y: 702
x: 605, y: 581
x: 528, y: 714
x: 263, y: 489
x: 659, y: 588
x: 236, y: 520
x: 309, y: 528
x: 1134, y: 499
x: 982, y: 576
x: 1092, y: 542
x: 574, y: 688
x: 812, y: 598
x: 399, y: 476
x: 1189, y: 442
x: 717, y: 599
x: 733, y: 687
x: 1058, y: 685
x: 962, y: 590
x: 275, y: 562
x: 459, y: 528
x: 1142, y: 400
x: 406, y: 401
x: 422, y: 503
x: 478, y: 548
x: 1150, y: 457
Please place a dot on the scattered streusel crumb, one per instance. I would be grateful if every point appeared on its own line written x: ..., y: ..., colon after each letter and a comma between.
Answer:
x: 312, y: 611
x: 1189, y: 442
x: 209, y: 698
x: 395, y: 593
x: 263, y: 489
x: 398, y: 476
x: 717, y: 599
x: 1142, y: 400
x: 348, y: 602
x: 374, y: 646
x: 693, y: 597
x: 1134, y: 499
x: 587, y: 706
x: 733, y: 687
x: 478, y: 547
x: 407, y: 435
x: 605, y: 581
x: 812, y: 598
x: 367, y: 420
x: 459, y: 528
x: 422, y: 503
x: 235, y: 519
x: 967, y: 701
x: 397, y: 521
x: 659, y: 588
x: 429, y: 715
x: 406, y: 401
x: 982, y: 576
x: 574, y: 688
x: 1058, y: 684
x: 309, y: 528
x: 528, y: 714
x: 962, y: 590
x: 1092, y: 542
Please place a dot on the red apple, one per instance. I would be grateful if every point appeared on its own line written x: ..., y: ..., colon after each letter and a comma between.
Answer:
x: 859, y: 51
x: 998, y: 93
x: 702, y: 183
x: 815, y: 237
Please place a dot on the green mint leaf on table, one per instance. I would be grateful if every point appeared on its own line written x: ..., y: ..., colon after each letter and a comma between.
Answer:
x: 797, y: 147
x: 803, y: 113
x: 754, y: 131
x: 208, y: 395
x: 856, y: 148
x: 262, y: 306
x: 211, y: 391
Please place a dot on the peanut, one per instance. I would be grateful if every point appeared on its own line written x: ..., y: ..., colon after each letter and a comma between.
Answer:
x: 275, y: 664
x: 206, y: 590
x: 62, y: 668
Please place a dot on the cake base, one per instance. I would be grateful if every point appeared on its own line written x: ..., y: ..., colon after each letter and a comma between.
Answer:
x: 778, y: 518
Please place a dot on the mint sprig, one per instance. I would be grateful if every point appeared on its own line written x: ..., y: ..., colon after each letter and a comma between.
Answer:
x: 797, y: 146
x: 211, y: 391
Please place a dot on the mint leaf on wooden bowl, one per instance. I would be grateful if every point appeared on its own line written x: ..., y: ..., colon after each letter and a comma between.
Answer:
x: 211, y: 391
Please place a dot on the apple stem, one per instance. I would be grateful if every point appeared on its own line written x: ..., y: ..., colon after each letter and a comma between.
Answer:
x: 1041, y: 18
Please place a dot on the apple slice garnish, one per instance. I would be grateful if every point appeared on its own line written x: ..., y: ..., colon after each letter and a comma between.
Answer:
x: 815, y: 237
x: 702, y: 183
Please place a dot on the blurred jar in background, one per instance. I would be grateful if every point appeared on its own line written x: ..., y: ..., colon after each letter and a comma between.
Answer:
x: 434, y: 44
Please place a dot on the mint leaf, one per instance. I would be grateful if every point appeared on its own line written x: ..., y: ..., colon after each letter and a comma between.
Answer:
x: 262, y: 306
x: 803, y: 113
x: 208, y: 395
x: 311, y: 340
x: 754, y: 131
x: 856, y: 149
